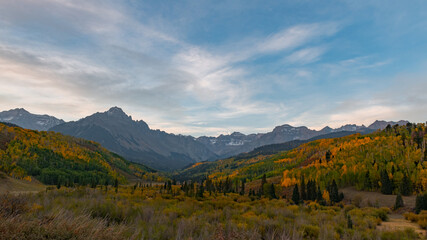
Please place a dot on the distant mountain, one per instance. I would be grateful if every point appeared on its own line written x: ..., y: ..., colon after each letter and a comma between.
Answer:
x: 135, y: 141
x: 280, y: 147
x: 199, y: 171
x: 383, y: 124
x: 325, y: 160
x: 236, y: 143
x: 23, y: 118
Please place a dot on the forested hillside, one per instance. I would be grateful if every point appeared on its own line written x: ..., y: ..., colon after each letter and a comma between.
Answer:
x: 392, y: 160
x: 200, y: 170
x: 53, y: 158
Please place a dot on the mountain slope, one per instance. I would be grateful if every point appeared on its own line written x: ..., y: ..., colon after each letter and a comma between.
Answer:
x: 231, y: 145
x: 23, y: 118
x: 200, y: 170
x: 135, y: 141
x: 397, y: 156
x: 381, y: 124
x: 53, y: 158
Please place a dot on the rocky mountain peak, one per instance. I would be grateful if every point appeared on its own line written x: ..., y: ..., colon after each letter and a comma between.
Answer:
x: 116, y: 111
x: 327, y: 128
x: 381, y: 124
x: 20, y: 110
x: 237, y: 134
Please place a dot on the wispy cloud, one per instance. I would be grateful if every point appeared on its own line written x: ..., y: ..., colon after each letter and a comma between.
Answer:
x: 306, y: 55
x: 296, y: 36
x: 73, y: 58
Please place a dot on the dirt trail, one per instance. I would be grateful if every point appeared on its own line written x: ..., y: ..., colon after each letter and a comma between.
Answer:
x: 398, y: 222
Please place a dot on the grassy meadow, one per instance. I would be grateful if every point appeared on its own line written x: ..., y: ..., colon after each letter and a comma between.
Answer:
x: 144, y: 212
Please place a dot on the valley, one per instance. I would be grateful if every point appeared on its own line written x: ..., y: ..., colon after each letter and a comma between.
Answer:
x: 327, y: 187
x: 213, y: 120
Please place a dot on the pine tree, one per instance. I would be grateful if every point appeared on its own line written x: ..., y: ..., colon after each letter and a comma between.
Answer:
x: 169, y: 186
x: 116, y: 185
x: 200, y: 191
x: 295, y: 195
x: 386, y: 185
x: 93, y: 183
x: 406, y: 186
x: 388, y: 128
x: 328, y: 155
x: 319, y: 197
x: 399, y: 201
x: 263, y: 182
x: 311, y: 190
x: 421, y: 203
x: 242, y: 189
x: 106, y: 185
x: 227, y: 185
x: 340, y: 196
x: 349, y: 222
x: 367, y: 184
x: 333, y: 192
x: 271, y: 191
x: 303, y: 189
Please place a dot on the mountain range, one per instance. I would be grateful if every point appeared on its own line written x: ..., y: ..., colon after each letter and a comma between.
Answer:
x: 236, y: 143
x: 23, y: 118
x: 134, y: 140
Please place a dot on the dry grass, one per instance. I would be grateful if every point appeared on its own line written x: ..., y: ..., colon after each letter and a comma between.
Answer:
x: 17, y: 222
x: 85, y: 213
x: 59, y: 225
x: 17, y: 186
x: 397, y: 222
x: 375, y: 198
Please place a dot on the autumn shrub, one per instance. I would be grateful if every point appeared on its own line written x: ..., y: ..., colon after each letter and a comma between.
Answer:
x: 60, y: 225
x: 108, y: 211
x: 11, y: 205
x: 382, y: 213
x: 147, y: 215
x: 423, y: 223
x: 311, y: 232
x: 348, y: 208
x: 411, y: 216
x: 422, y: 219
x: 407, y: 234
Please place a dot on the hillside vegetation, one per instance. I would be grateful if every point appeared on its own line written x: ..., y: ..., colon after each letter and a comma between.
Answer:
x: 53, y: 158
x: 142, y: 212
x: 296, y: 196
x: 393, y: 160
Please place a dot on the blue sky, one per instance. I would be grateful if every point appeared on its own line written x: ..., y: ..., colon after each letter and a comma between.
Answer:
x: 212, y: 67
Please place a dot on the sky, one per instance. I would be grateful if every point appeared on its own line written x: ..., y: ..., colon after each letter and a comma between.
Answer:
x: 215, y: 67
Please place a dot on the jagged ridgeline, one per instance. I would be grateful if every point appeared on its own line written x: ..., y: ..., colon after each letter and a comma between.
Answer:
x: 392, y: 160
x: 53, y: 158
